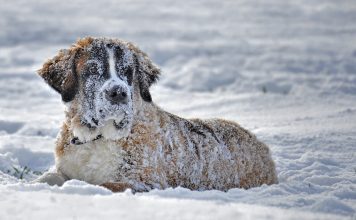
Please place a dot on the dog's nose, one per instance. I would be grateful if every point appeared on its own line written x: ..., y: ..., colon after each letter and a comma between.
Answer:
x: 116, y: 95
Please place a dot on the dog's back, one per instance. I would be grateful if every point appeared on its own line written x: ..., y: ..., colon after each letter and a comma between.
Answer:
x: 249, y: 160
x: 200, y: 154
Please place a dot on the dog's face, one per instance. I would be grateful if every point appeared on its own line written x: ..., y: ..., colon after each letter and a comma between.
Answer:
x: 101, y: 80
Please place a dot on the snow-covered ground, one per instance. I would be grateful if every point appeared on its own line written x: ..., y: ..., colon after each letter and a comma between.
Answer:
x: 284, y: 70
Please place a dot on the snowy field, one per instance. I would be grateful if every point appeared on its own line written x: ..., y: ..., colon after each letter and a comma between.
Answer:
x: 286, y: 71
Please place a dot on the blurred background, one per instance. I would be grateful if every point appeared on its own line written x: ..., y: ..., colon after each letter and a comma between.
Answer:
x: 286, y: 70
x: 239, y: 46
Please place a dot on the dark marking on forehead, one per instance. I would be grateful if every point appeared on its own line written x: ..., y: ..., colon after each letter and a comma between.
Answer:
x: 98, y: 51
x: 129, y: 75
x: 106, y: 65
x: 119, y: 52
x: 102, y: 56
x: 144, y: 87
x: 98, y: 54
x: 127, y: 71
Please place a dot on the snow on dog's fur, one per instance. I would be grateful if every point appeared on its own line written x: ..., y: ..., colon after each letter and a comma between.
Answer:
x: 115, y: 136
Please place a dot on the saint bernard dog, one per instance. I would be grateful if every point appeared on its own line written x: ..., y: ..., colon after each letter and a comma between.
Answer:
x: 115, y: 136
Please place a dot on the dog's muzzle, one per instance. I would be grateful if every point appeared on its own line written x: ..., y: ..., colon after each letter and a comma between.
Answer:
x: 111, y: 106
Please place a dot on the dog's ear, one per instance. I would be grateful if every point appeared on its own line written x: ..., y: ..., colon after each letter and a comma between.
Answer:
x: 60, y: 74
x: 146, y: 72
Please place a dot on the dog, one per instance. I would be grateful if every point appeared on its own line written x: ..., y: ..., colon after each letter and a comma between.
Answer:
x: 115, y: 136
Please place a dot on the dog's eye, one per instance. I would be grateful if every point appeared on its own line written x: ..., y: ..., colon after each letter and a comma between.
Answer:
x: 93, y: 69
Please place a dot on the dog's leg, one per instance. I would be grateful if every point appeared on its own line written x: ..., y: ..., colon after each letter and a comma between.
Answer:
x: 51, y: 178
x: 116, y: 187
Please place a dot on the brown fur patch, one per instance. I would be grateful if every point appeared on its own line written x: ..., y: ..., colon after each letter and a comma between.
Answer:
x: 62, y: 142
x: 59, y: 74
x: 83, y: 43
x: 116, y: 187
x: 65, y: 136
x: 81, y: 61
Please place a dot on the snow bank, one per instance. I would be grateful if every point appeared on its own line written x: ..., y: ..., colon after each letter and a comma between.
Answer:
x: 42, y: 206
x: 284, y: 70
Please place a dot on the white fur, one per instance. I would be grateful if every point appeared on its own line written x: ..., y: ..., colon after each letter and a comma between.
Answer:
x: 94, y: 162
x: 112, y: 64
x: 83, y: 133
x: 51, y: 178
x: 108, y: 131
x: 111, y: 133
x: 100, y: 66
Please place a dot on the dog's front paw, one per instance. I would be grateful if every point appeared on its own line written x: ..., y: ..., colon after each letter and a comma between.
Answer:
x: 51, y: 179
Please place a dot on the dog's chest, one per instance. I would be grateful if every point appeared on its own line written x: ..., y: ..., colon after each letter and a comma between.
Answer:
x: 95, y: 163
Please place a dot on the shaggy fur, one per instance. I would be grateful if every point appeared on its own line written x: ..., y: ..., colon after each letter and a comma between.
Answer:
x: 143, y: 147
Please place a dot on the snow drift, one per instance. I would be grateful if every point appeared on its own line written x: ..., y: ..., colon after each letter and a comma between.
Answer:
x: 286, y: 71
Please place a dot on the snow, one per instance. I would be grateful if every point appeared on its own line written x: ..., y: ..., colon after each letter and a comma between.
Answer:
x: 284, y: 70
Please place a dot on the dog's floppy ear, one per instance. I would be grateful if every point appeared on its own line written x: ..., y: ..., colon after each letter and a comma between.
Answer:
x: 60, y: 74
x: 147, y: 73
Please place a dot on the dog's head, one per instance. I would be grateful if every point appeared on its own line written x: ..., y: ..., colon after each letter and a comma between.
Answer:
x: 101, y: 80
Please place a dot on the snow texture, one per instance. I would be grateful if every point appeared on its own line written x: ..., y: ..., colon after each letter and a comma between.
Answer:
x: 284, y: 70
